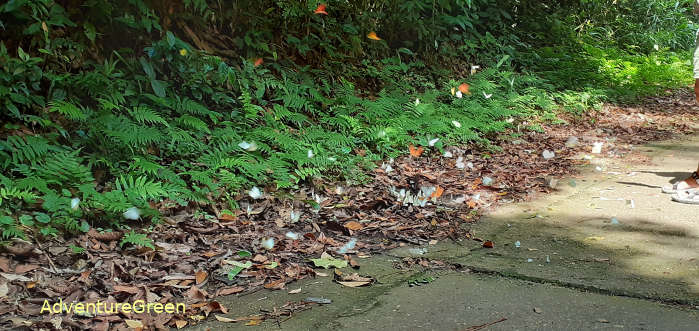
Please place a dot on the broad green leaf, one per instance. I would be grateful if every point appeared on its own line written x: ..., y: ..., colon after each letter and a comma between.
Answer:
x: 84, y: 227
x: 158, y: 87
x: 26, y: 220
x: 43, y: 218
x: 90, y: 31
x: 170, y: 39
x: 329, y: 262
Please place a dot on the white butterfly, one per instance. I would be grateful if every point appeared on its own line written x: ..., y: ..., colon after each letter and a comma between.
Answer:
x: 459, y: 94
x: 268, y: 243
x: 292, y: 235
x: 132, y: 213
x: 433, y: 141
x: 487, y: 96
x: 294, y: 216
x: 460, y: 163
x: 348, y: 246
x: 310, y: 154
x: 548, y: 154
x: 417, y: 102
x: 474, y: 69
x: 456, y: 124
x: 656, y: 47
x: 74, y: 202
x: 250, y: 147
x: 255, y: 193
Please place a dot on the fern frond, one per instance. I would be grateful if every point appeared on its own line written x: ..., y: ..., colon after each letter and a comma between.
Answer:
x: 69, y: 110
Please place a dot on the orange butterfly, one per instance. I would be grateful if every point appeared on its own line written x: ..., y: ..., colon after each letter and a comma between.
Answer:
x: 320, y: 10
x: 415, y: 152
x: 372, y: 35
x: 437, y: 192
x: 464, y: 88
x: 258, y: 62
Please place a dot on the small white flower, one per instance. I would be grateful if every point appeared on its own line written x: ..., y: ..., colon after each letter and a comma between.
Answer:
x: 74, y: 202
x: 310, y: 154
x: 132, y: 213
x: 292, y: 235
x: 433, y: 141
x: 487, y: 96
x: 656, y: 47
x: 255, y: 193
x: 510, y: 120
x: 456, y: 124
x: 459, y: 94
x: 417, y: 102
x: 268, y: 243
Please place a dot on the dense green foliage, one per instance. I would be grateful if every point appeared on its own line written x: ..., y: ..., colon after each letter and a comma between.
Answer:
x: 158, y: 104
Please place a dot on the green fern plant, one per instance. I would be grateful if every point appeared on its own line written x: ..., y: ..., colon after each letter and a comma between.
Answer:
x: 136, y: 239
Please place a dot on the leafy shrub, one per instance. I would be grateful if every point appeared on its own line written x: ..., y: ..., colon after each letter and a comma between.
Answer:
x: 113, y: 105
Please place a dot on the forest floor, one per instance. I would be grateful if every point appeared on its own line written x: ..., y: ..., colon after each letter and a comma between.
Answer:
x: 599, y: 245
x: 605, y: 250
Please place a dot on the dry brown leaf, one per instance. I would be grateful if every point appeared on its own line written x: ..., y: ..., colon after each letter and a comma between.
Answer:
x: 180, y: 323
x: 225, y: 319
x: 227, y: 217
x: 85, y: 276
x: 134, y: 324
x: 4, y: 264
x: 106, y: 236
x: 195, y: 293
x: 275, y: 285
x: 214, y: 306
x: 354, y: 225
x: 211, y: 253
x: 200, y: 276
x: 230, y: 290
x: 22, y: 268
x: 127, y: 289
x: 488, y: 244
